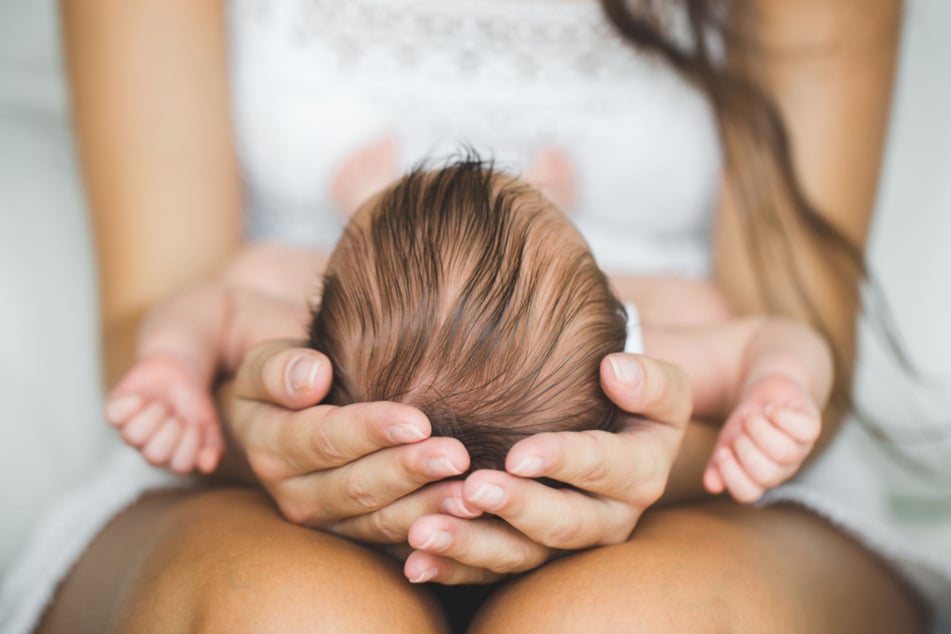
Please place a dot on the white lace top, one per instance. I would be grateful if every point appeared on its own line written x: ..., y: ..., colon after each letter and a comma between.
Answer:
x: 315, y: 80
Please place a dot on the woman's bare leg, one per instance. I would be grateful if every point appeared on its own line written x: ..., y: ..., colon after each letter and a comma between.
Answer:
x: 224, y: 561
x: 712, y: 568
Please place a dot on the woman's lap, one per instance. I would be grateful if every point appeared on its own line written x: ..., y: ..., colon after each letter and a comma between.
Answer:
x: 713, y: 567
x: 224, y: 560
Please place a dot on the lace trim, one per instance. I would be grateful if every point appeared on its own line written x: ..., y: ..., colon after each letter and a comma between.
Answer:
x: 531, y: 38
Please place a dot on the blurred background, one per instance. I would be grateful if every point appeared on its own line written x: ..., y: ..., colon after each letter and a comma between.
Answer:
x: 50, y: 427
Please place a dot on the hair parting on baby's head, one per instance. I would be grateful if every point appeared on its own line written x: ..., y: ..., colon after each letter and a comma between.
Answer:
x: 457, y: 291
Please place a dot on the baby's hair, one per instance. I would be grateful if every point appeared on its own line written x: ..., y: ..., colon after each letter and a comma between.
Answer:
x: 459, y: 291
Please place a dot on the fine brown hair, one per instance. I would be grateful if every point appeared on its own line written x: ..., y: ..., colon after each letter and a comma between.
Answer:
x: 465, y: 293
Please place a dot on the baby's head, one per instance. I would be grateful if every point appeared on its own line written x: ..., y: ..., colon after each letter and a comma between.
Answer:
x: 465, y: 293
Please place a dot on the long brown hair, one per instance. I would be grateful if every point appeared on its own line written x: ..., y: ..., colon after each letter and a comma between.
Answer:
x: 769, y: 197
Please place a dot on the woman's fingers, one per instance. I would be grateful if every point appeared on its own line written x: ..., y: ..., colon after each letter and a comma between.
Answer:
x: 615, y: 476
x: 390, y: 524
x: 556, y: 518
x: 629, y: 466
x: 324, y: 437
x: 364, y: 486
x: 285, y: 374
x: 647, y: 387
x: 324, y: 464
x: 483, y: 544
x: 423, y: 567
x: 284, y: 444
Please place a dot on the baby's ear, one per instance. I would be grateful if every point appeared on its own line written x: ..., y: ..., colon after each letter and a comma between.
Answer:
x: 552, y: 173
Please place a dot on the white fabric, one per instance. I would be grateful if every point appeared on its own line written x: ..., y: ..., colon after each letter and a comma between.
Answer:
x: 634, y: 344
x: 314, y: 80
x: 48, y: 322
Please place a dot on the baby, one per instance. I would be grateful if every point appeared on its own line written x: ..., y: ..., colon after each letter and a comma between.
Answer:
x: 468, y: 294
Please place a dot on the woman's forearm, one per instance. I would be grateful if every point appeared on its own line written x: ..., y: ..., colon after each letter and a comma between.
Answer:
x: 150, y: 111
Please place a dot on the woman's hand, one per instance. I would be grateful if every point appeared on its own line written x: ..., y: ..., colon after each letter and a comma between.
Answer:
x: 616, y: 477
x: 362, y: 465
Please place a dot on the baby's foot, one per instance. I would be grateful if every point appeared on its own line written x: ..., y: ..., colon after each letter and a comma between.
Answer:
x: 765, y: 440
x: 165, y: 409
x: 364, y: 173
x: 552, y: 173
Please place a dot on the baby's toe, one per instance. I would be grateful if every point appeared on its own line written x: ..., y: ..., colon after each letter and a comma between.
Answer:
x: 185, y: 454
x: 208, y: 459
x: 192, y: 402
x: 158, y: 450
x: 760, y: 468
x: 803, y: 425
x: 212, y: 449
x: 712, y: 480
x: 737, y: 481
x: 121, y: 408
x: 772, y: 441
x: 143, y: 425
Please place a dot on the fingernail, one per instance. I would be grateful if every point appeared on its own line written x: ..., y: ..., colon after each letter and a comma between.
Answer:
x: 442, y: 466
x: 627, y: 370
x: 458, y: 508
x: 118, y: 409
x: 302, y: 373
x: 404, y: 433
x: 439, y: 540
x: 424, y: 576
x: 529, y: 467
x: 489, y: 496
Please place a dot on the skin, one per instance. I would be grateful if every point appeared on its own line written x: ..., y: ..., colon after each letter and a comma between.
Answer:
x: 825, y: 61
x: 226, y: 559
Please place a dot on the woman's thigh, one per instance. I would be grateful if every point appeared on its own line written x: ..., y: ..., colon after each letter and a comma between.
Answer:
x: 223, y: 560
x: 716, y: 567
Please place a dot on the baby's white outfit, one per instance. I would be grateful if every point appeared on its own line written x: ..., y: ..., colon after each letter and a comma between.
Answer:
x: 634, y: 344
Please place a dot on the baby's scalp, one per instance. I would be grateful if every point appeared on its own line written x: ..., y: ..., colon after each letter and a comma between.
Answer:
x: 464, y: 292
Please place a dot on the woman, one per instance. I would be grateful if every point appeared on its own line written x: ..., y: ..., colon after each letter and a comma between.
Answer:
x: 151, y: 101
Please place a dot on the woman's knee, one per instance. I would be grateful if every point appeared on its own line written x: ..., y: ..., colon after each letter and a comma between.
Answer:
x: 710, y: 569
x: 228, y: 563
x: 637, y: 586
